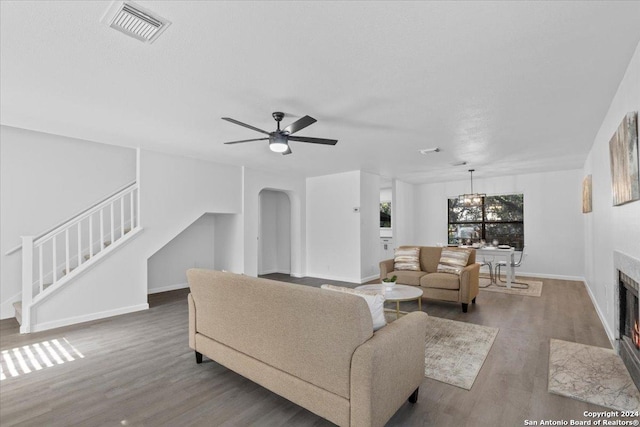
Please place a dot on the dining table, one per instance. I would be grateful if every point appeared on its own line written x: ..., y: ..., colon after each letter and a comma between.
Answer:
x: 493, y: 254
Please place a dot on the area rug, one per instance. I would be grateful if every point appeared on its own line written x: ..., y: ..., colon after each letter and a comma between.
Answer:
x: 534, y: 290
x: 455, y: 351
x: 591, y: 374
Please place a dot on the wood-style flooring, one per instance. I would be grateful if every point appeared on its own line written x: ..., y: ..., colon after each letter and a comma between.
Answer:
x: 138, y: 370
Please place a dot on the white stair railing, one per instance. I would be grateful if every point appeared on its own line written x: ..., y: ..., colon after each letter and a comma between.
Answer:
x: 53, y: 258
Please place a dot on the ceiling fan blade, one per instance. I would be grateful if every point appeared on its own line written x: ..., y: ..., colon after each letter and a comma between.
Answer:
x: 246, y: 140
x: 229, y: 119
x: 313, y: 140
x: 287, y: 152
x: 300, y: 124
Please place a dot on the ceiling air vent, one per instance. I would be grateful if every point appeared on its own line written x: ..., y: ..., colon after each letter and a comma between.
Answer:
x: 135, y: 21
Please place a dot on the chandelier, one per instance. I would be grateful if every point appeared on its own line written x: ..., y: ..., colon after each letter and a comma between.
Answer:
x: 471, y: 199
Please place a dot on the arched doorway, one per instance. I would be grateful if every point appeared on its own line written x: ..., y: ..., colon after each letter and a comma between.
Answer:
x: 274, y: 235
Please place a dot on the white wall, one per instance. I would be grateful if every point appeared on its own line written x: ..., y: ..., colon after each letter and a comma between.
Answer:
x: 369, y: 226
x: 333, y: 228
x: 608, y: 228
x: 385, y: 194
x: 294, y: 187
x: 275, y: 233
x: 552, y: 218
x: 343, y: 244
x: 403, y: 215
x: 229, y: 242
x: 45, y: 179
x: 192, y: 248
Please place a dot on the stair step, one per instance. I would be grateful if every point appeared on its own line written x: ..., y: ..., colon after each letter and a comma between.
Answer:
x: 65, y: 272
x: 18, y: 310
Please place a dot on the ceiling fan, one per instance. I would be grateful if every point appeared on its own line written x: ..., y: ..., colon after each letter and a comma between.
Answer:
x: 279, y: 138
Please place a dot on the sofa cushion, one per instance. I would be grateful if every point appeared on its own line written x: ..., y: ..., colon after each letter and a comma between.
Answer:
x: 407, y: 277
x: 407, y: 259
x: 375, y: 301
x: 440, y: 281
x: 453, y: 260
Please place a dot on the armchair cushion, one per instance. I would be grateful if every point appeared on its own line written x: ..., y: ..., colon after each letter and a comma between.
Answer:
x: 453, y: 260
x: 407, y: 258
x: 407, y: 277
x: 440, y: 281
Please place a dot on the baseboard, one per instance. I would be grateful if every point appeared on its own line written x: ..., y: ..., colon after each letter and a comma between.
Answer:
x: 608, y: 331
x: 357, y: 280
x: 370, y: 278
x: 87, y: 318
x: 167, y: 288
x: 7, y: 311
x: 548, y: 276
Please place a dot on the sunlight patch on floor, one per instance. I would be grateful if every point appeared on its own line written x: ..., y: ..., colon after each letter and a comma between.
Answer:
x: 35, y: 357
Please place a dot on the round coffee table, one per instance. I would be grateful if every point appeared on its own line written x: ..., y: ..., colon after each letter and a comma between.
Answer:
x: 397, y: 294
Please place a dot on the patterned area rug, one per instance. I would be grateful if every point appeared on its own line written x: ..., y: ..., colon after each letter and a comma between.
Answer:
x: 591, y: 374
x: 535, y: 287
x: 455, y: 351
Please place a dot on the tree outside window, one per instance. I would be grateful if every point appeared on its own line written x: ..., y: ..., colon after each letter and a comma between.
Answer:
x: 498, y: 217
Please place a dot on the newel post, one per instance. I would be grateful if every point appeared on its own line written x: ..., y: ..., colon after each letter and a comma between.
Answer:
x: 27, y: 283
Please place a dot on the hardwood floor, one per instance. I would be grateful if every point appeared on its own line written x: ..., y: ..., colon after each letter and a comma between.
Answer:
x: 138, y: 370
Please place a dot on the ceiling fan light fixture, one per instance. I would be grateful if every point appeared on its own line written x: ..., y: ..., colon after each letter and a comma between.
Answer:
x: 278, y: 143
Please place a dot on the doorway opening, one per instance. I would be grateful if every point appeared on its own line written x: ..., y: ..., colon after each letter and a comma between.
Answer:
x: 274, y: 235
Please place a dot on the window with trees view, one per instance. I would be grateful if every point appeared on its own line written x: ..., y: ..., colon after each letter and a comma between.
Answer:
x: 385, y: 215
x: 497, y: 218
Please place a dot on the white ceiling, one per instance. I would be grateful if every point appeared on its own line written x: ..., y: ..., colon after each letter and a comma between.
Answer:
x: 509, y: 87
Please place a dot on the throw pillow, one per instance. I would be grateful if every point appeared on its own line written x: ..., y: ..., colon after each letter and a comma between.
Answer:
x: 374, y: 300
x: 453, y: 260
x: 407, y: 259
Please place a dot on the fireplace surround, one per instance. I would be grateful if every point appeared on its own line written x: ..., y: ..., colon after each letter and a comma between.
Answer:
x: 627, y: 312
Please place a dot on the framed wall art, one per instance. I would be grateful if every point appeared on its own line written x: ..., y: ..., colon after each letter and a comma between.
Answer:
x: 586, y: 194
x: 623, y: 150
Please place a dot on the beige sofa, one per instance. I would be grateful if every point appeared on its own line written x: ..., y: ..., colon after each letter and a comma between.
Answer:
x: 314, y: 347
x: 442, y: 286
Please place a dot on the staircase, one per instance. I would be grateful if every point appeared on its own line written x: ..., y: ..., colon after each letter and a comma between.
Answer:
x: 55, y: 257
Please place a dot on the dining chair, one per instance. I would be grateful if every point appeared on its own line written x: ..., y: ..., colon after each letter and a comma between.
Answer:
x: 489, y: 264
x: 500, y: 264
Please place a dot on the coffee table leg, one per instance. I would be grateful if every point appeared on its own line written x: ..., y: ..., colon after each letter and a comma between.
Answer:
x: 397, y: 310
x: 420, y: 303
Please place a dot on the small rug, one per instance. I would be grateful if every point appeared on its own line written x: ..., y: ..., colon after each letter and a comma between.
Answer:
x: 591, y: 374
x: 455, y: 351
x: 534, y: 290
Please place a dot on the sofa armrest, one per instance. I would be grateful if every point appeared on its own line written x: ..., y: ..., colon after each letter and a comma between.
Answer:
x: 192, y: 322
x: 386, y: 267
x: 387, y: 369
x: 469, y: 283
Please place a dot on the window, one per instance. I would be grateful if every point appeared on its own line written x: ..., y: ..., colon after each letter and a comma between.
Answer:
x: 498, y: 217
x: 385, y: 215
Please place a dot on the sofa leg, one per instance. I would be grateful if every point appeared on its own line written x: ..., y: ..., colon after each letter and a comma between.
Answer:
x: 198, y: 357
x: 414, y: 396
x: 465, y: 307
x: 474, y: 300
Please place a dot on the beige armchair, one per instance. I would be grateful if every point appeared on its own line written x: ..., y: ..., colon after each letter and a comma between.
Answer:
x: 441, y: 286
